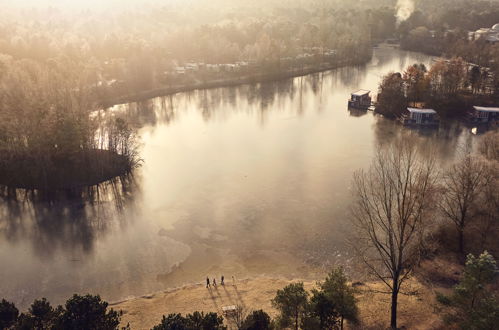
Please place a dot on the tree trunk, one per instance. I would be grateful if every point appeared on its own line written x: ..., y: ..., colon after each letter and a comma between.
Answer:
x: 461, y: 241
x: 341, y: 323
x: 395, y: 291
x: 296, y: 320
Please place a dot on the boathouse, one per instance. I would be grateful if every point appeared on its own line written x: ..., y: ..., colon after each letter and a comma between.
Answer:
x: 420, y: 117
x: 483, y: 114
x: 360, y: 99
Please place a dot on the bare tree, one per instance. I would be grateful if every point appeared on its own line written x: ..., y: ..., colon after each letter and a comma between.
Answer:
x: 237, y: 316
x: 463, y: 183
x: 391, y: 207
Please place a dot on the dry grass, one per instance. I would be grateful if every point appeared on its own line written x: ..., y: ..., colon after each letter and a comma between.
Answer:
x: 416, y: 309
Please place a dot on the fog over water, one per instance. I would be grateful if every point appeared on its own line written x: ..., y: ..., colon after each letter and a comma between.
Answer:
x: 244, y: 181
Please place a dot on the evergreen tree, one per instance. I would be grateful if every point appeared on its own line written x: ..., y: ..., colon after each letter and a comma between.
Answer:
x: 474, y: 304
x: 291, y: 302
x: 8, y: 314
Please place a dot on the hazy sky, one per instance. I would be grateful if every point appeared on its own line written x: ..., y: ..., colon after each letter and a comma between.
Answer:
x: 79, y: 4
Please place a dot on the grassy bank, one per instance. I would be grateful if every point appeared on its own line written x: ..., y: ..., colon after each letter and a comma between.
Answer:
x: 417, y: 308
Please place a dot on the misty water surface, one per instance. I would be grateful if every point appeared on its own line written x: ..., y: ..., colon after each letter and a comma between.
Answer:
x: 245, y: 181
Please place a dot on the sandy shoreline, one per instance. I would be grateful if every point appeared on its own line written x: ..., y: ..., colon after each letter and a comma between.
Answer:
x: 416, y: 310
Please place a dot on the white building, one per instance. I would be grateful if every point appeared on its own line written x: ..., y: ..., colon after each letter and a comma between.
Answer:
x: 489, y: 34
x: 420, y: 117
x: 483, y: 114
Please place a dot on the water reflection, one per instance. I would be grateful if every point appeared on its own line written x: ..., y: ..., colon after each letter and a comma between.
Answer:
x: 63, y: 220
x: 49, y: 231
x: 245, y: 180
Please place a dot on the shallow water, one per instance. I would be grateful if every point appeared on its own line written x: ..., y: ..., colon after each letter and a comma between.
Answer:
x: 241, y: 181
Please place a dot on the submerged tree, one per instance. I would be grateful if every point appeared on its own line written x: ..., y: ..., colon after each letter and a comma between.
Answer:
x: 391, y: 210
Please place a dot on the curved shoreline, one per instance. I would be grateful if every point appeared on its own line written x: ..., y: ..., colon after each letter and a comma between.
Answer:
x: 218, y: 83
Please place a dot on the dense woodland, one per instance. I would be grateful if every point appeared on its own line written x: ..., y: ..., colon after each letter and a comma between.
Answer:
x: 438, y: 30
x: 138, y: 48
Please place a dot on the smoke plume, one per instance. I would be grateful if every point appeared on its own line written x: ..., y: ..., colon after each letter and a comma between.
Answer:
x: 404, y: 9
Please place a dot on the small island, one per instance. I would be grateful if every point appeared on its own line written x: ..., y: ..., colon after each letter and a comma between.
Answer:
x: 51, y: 134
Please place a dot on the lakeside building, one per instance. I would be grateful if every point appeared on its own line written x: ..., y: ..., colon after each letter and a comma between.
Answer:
x: 360, y: 99
x: 483, y: 114
x: 419, y: 117
x: 489, y: 34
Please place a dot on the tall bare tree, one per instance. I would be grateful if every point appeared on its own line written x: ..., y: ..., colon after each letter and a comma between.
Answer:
x: 391, y: 211
x: 463, y: 183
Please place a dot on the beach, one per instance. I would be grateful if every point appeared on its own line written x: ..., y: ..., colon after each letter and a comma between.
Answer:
x: 417, y: 305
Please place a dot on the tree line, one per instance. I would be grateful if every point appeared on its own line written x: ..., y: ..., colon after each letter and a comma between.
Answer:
x: 451, y: 87
x: 332, y: 304
x: 130, y: 50
x: 441, y: 30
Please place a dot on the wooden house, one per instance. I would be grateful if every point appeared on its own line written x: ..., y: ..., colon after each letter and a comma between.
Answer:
x: 483, y: 114
x: 360, y: 100
x: 420, y: 117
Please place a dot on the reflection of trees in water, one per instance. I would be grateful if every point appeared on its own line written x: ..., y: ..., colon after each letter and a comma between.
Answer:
x: 356, y: 112
x: 289, y: 95
x: 351, y: 76
x: 65, y: 220
x: 445, y: 140
x: 221, y: 102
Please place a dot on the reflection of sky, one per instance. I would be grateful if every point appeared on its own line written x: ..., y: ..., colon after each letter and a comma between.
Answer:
x: 244, y: 180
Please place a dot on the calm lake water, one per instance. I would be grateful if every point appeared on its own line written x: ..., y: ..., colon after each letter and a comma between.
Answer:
x: 242, y: 181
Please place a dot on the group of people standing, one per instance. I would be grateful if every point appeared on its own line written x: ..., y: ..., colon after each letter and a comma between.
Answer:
x: 214, y: 282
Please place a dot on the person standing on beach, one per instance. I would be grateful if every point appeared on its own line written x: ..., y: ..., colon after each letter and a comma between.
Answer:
x: 222, y: 280
x: 214, y: 282
x: 207, y: 282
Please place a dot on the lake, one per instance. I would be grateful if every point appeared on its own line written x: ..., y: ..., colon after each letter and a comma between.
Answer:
x: 243, y: 181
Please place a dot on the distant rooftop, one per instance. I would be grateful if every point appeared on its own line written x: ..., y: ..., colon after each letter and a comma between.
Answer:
x: 415, y: 110
x: 487, y: 109
x: 361, y: 92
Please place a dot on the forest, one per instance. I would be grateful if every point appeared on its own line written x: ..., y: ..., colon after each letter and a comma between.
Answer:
x: 134, y: 49
x: 60, y: 67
